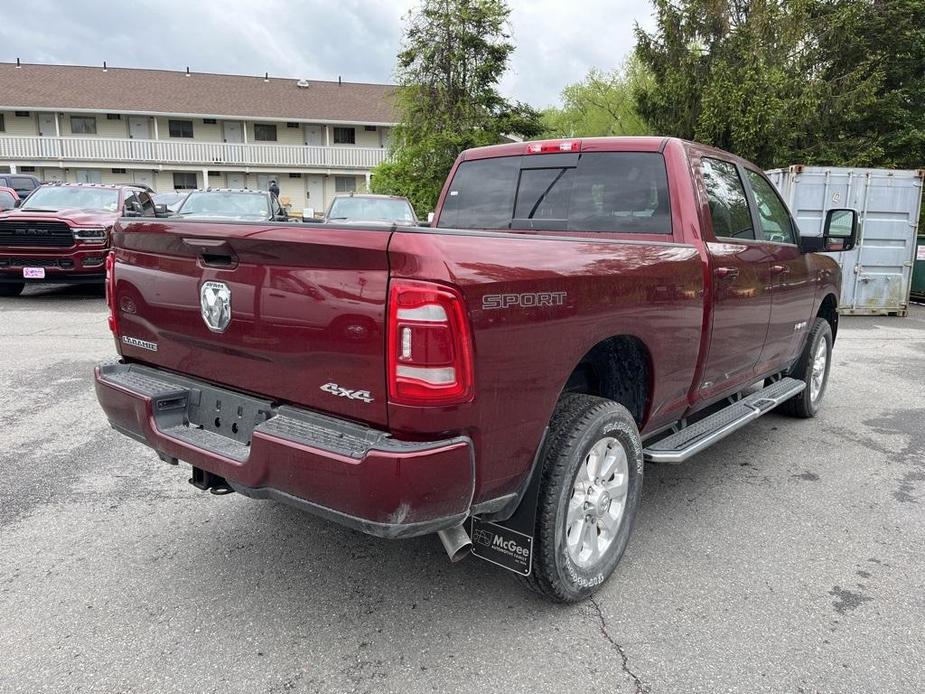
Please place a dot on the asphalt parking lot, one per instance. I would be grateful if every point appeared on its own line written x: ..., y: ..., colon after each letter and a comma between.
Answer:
x: 788, y: 558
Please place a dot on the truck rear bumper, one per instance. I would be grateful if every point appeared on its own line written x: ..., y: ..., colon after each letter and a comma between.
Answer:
x: 346, y: 472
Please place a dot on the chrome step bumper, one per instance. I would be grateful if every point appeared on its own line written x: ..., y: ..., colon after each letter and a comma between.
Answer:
x: 692, y: 439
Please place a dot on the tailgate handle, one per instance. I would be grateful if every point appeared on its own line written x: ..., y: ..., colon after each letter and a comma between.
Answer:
x: 213, y: 252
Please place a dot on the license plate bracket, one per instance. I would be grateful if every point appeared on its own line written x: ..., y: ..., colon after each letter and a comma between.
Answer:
x: 228, y: 414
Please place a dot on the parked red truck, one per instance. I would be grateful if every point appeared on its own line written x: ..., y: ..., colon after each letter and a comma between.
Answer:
x: 60, y: 234
x: 577, y: 308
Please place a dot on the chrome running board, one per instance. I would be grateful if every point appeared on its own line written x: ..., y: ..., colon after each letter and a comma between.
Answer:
x: 695, y: 437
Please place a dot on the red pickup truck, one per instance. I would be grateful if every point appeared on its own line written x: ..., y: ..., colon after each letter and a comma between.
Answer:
x: 577, y: 308
x: 60, y: 233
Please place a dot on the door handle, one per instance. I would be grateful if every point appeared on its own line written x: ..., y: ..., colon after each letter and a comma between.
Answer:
x: 727, y: 273
x: 780, y: 270
x: 213, y: 252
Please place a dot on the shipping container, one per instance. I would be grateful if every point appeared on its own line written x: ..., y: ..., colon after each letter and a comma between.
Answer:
x: 877, y: 273
x: 918, y: 273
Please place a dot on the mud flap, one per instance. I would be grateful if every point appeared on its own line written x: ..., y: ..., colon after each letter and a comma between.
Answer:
x: 509, y: 543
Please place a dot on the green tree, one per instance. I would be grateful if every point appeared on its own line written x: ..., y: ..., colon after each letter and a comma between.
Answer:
x: 866, y: 77
x: 602, y: 104
x: 727, y: 73
x: 830, y: 82
x: 453, y: 55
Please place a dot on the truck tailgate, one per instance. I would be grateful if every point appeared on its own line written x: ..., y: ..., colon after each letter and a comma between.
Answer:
x: 307, y: 308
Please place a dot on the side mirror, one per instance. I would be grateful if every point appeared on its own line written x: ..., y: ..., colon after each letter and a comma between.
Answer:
x: 133, y: 209
x: 430, y: 218
x: 161, y: 211
x: 17, y: 202
x: 840, y: 232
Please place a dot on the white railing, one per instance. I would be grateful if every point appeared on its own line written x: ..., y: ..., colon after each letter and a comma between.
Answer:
x: 180, y: 152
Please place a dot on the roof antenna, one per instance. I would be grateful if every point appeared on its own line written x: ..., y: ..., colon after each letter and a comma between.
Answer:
x: 105, y: 69
x: 266, y: 77
x: 17, y: 63
x: 187, y: 70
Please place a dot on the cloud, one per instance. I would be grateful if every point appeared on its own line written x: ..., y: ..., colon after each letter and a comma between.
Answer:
x: 557, y: 42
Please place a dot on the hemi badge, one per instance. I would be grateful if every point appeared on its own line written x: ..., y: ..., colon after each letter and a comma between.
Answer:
x: 135, y: 342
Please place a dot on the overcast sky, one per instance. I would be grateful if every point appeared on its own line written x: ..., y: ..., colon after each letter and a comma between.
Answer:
x: 557, y: 40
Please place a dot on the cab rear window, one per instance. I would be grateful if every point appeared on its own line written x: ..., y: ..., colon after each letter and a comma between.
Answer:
x: 594, y: 191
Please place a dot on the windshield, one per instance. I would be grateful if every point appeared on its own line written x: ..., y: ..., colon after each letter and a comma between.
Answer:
x: 372, y: 210
x: 168, y: 198
x: 53, y: 198
x: 229, y: 205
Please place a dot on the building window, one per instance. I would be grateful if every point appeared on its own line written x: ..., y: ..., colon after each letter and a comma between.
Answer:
x: 345, y: 136
x: 83, y: 125
x: 292, y: 125
x: 369, y: 128
x: 180, y: 128
x: 2, y: 124
x: 88, y: 176
x: 22, y: 114
x: 216, y: 174
x: 183, y: 180
x: 295, y: 175
x: 264, y: 132
x: 113, y: 116
x: 118, y: 171
x: 345, y: 184
x: 27, y: 169
x: 209, y: 121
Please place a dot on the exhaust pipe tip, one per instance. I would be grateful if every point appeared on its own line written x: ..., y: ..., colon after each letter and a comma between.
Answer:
x: 456, y: 542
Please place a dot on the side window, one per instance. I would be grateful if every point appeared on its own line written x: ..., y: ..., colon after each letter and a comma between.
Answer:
x: 728, y: 203
x: 481, y: 194
x: 773, y: 218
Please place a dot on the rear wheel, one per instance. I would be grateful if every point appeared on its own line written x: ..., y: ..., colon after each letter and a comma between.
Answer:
x: 812, y: 368
x: 12, y: 288
x: 589, y: 492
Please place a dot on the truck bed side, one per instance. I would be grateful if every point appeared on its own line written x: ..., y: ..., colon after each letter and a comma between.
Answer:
x: 538, y: 304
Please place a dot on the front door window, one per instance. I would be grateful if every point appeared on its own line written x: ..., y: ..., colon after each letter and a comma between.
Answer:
x: 773, y: 218
x: 727, y: 199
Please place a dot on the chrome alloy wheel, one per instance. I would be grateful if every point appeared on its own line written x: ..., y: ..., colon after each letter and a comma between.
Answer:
x: 817, y: 379
x: 598, y: 502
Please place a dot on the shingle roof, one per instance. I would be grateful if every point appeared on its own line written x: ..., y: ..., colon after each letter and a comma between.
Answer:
x: 67, y: 87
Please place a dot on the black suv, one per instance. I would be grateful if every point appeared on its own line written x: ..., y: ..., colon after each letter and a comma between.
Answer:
x: 23, y: 184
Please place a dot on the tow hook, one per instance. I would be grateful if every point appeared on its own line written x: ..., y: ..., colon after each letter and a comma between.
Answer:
x: 205, y: 480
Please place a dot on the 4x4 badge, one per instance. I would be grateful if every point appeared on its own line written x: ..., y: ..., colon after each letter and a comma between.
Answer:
x: 335, y: 389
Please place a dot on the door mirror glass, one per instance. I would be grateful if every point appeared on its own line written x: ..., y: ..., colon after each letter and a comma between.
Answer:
x: 841, y: 230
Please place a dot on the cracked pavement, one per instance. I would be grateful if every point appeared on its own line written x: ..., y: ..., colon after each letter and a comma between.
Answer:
x: 787, y: 558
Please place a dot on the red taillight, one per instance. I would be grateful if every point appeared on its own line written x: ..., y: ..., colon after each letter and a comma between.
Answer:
x: 429, y: 345
x: 553, y: 146
x: 111, y: 292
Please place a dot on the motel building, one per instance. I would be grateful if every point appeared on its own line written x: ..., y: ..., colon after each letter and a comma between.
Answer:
x: 187, y: 130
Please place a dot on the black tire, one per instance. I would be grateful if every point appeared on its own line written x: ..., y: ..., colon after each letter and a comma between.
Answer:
x: 804, y: 404
x: 12, y: 288
x: 578, y: 424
